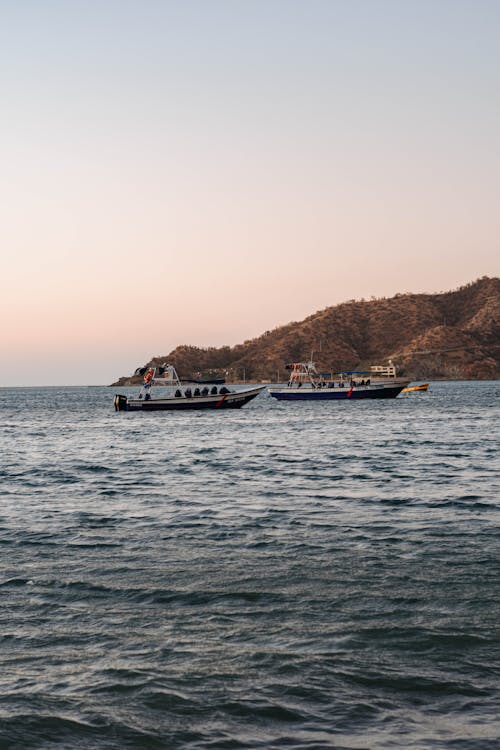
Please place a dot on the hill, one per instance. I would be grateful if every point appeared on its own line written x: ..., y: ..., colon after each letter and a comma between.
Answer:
x: 451, y: 335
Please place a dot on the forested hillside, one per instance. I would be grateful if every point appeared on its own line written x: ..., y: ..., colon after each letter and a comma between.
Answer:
x: 447, y: 335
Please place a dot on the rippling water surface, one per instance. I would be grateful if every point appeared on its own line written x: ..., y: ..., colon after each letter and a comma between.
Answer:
x: 282, y: 576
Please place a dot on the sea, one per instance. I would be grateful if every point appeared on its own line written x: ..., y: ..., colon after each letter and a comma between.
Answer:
x: 286, y: 575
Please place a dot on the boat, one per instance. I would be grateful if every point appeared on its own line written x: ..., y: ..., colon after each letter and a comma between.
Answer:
x: 182, y: 395
x: 419, y: 387
x: 307, y: 384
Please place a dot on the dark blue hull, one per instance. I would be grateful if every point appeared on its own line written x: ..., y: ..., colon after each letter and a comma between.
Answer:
x: 233, y: 400
x: 336, y: 394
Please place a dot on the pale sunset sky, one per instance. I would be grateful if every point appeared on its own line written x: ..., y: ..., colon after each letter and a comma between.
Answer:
x: 200, y: 171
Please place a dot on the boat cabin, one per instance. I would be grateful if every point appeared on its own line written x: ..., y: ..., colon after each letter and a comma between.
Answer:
x: 384, y: 371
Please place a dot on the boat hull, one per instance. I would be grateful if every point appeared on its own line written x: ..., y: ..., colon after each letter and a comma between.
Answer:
x: 337, y: 394
x: 422, y: 387
x: 227, y: 401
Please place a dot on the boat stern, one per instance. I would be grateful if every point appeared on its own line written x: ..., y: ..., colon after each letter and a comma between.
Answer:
x: 120, y: 402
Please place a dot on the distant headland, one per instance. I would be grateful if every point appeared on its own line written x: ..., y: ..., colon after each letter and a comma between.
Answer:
x: 450, y: 335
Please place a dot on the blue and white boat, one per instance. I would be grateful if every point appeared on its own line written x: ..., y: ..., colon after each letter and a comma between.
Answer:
x: 307, y: 384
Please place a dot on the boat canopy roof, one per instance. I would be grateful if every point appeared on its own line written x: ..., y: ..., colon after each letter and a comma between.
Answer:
x: 309, y: 367
x: 167, y: 375
x: 342, y: 372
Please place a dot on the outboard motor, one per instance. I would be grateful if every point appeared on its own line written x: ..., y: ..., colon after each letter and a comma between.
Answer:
x: 120, y: 402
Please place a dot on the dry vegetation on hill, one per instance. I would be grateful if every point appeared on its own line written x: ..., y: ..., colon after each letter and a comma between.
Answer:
x: 447, y: 335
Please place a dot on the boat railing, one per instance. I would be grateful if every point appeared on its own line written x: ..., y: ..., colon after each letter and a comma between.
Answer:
x: 188, y: 388
x: 306, y: 373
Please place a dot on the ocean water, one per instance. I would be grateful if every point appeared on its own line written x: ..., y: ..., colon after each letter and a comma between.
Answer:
x: 286, y: 575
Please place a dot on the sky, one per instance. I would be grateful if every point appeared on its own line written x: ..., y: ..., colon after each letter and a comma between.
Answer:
x: 201, y: 171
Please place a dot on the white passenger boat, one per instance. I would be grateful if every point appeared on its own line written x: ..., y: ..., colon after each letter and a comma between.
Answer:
x: 182, y: 395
